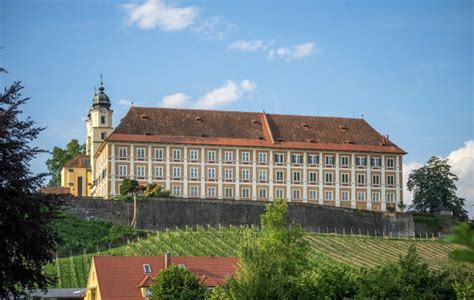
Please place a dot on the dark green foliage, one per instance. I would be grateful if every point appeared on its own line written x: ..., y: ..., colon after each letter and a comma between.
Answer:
x: 60, y: 157
x: 433, y: 223
x: 27, y: 238
x: 409, y: 278
x: 128, y: 186
x: 464, y: 235
x: 433, y: 185
x: 78, y: 235
x: 177, y: 283
x: 154, y: 190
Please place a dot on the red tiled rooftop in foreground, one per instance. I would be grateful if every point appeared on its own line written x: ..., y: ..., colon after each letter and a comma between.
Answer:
x: 120, y: 277
x: 252, y: 129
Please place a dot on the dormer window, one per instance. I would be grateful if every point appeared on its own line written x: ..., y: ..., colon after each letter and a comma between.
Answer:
x: 147, y: 268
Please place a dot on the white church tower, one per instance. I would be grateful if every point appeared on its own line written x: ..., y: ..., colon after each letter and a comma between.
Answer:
x: 98, y: 123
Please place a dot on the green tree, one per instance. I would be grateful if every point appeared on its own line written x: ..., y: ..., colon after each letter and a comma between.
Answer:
x: 154, y: 190
x: 128, y: 186
x: 27, y: 237
x: 464, y: 235
x: 273, y: 261
x: 60, y: 157
x: 433, y: 185
x: 409, y: 278
x: 177, y: 282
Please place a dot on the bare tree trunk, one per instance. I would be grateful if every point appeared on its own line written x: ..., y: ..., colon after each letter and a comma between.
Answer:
x: 134, y: 220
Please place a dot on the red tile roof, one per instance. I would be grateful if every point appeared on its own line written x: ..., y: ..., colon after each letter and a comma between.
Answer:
x: 119, y: 277
x: 55, y: 190
x: 79, y: 161
x: 226, y: 128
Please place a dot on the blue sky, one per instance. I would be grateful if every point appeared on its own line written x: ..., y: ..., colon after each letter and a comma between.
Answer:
x: 407, y: 66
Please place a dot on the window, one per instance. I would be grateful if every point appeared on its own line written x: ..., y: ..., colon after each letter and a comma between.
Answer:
x: 228, y: 174
x: 159, y: 172
x: 313, y: 177
x: 147, y: 268
x: 102, y: 119
x: 296, y: 158
x: 122, y: 171
x: 245, y: 157
x: 328, y: 177
x: 390, y: 180
x: 345, y: 196
x: 279, y: 158
x: 361, y: 196
x: 345, y: 161
x: 390, y: 197
x: 279, y: 193
x: 228, y: 156
x: 390, y: 163
x: 375, y: 196
x: 176, y: 154
x: 329, y: 160
x: 193, y: 155
x: 296, y: 194
x: 313, y: 195
x: 122, y: 153
x: 375, y: 162
x: 375, y: 180
x: 328, y: 195
x: 313, y: 159
x: 176, y: 172
x: 229, y: 192
x: 245, y: 175
x: 245, y: 193
x: 159, y: 154
x: 211, y: 173
x: 176, y: 190
x: 262, y: 157
x: 103, y: 135
x: 262, y: 193
x: 194, y: 173
x: 211, y: 156
x: 345, y: 178
x: 211, y: 191
x: 141, y: 172
x: 262, y: 175
x: 280, y: 176
x: 140, y: 153
x: 360, y: 179
x: 296, y: 176
x: 361, y: 161
x: 193, y: 191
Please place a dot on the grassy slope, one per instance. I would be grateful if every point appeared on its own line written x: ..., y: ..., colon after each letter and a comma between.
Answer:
x: 357, y: 251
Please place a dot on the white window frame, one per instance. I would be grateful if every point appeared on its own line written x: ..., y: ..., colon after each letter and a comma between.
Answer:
x: 245, y: 157
x: 176, y: 190
x: 391, y: 197
x: 228, y: 192
x: 262, y: 175
x: 390, y: 163
x: 228, y: 156
x: 313, y: 159
x: 211, y: 191
x: 176, y: 173
x: 390, y: 180
x: 296, y: 194
x: 211, y: 156
x: 345, y: 181
x: 141, y: 153
x: 140, y: 172
x: 345, y: 196
x: 280, y: 193
x: 228, y: 174
x: 313, y: 195
x: 328, y: 196
x: 313, y: 177
x: 211, y: 171
x: 245, y: 193
x: 193, y: 155
x: 262, y: 157
x: 328, y: 178
x: 245, y: 175
x: 296, y: 176
x: 361, y: 161
x: 176, y: 154
x: 280, y: 176
x: 158, y: 154
x: 158, y: 172
x: 193, y: 190
x: 360, y: 179
x: 262, y: 193
x: 122, y: 153
x: 194, y: 173
x: 297, y: 158
x: 361, y: 196
x: 345, y: 161
x: 375, y: 197
x: 123, y: 171
x: 279, y: 158
x: 376, y: 182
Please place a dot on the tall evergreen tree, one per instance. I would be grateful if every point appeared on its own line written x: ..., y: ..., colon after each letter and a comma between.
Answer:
x: 27, y: 237
x: 433, y: 185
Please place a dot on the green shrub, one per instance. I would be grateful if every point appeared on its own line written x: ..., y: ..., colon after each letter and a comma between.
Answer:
x: 128, y: 186
x: 177, y: 283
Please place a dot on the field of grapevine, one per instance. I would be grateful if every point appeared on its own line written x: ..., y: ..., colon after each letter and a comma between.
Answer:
x: 358, y: 251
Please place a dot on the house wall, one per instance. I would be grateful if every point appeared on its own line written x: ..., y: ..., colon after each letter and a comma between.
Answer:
x: 159, y: 214
x: 69, y: 178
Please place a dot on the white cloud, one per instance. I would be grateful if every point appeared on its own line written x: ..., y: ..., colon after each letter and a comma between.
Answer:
x: 156, y: 13
x: 125, y: 102
x: 178, y: 100
x: 246, y: 46
x: 291, y: 53
x: 230, y: 92
x: 462, y: 163
x: 213, y: 28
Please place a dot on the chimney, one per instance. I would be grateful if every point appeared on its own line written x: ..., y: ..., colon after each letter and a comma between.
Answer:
x: 167, y: 260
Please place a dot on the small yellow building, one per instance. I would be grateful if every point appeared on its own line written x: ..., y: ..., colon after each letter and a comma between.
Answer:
x: 77, y: 176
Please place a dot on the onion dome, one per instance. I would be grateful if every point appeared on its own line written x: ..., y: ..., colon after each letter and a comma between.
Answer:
x: 101, y: 99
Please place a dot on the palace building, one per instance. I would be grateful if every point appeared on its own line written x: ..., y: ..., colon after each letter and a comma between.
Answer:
x: 244, y: 156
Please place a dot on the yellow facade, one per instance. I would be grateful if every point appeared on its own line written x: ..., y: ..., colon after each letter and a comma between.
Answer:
x: 92, y: 289
x: 78, y: 180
